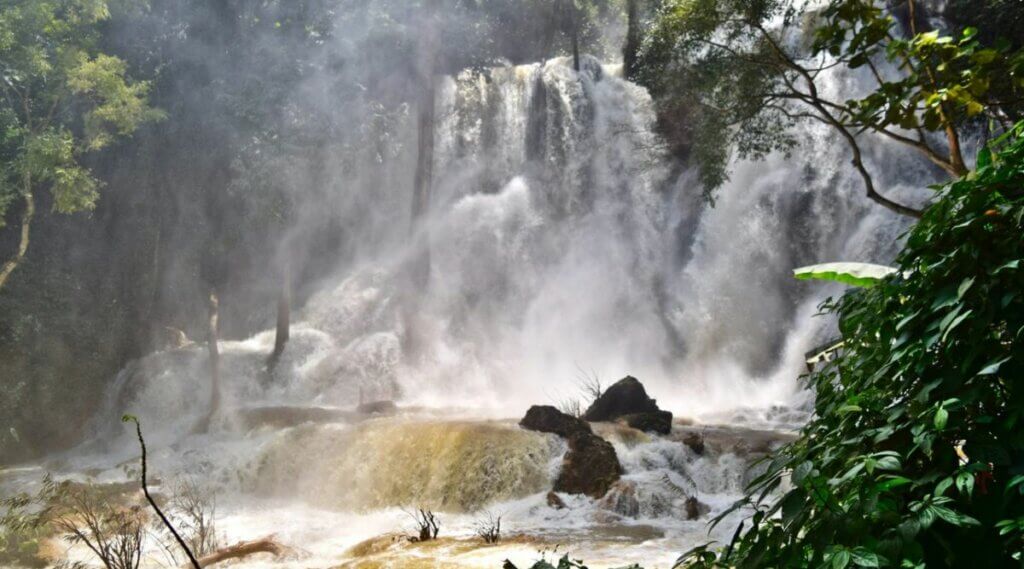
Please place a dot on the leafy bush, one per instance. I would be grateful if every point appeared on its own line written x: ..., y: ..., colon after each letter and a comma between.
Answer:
x: 915, y: 455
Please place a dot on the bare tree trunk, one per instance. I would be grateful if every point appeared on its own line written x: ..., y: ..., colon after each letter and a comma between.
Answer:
x: 425, y: 155
x: 426, y: 67
x: 284, y: 317
x: 26, y: 225
x: 574, y: 32
x: 213, y: 332
x: 243, y: 549
x: 632, y: 48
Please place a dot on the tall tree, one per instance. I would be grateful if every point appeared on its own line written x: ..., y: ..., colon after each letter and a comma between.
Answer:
x: 62, y: 98
x: 924, y: 83
x: 630, y: 51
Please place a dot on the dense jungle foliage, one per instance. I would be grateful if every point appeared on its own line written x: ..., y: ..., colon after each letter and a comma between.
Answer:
x: 915, y: 456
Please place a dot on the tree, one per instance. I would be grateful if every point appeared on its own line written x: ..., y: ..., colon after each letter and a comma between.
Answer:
x: 913, y: 455
x: 630, y: 51
x: 62, y: 98
x: 924, y: 82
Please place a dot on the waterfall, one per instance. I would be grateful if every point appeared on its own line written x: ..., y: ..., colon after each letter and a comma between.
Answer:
x: 563, y: 241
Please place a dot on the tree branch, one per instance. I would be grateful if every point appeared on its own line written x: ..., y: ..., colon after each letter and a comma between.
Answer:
x: 152, y: 502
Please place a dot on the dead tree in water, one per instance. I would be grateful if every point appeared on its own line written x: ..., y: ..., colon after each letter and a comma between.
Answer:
x: 427, y: 524
x: 284, y: 317
x: 212, y: 338
x: 571, y: 20
x: 426, y: 68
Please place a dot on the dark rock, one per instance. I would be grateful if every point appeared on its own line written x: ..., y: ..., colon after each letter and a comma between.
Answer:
x: 555, y: 502
x: 695, y: 441
x: 377, y: 408
x: 654, y: 422
x: 547, y: 419
x: 625, y: 397
x: 590, y: 467
x: 695, y: 508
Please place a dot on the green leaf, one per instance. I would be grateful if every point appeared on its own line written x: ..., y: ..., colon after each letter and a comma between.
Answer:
x: 993, y: 367
x: 863, y: 557
x: 854, y: 274
x: 941, y: 417
x: 840, y: 559
x: 801, y: 471
x: 984, y: 157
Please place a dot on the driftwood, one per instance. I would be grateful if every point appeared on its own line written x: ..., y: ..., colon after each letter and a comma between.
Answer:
x: 243, y: 549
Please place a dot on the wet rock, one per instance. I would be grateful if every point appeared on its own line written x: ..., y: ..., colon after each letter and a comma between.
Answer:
x: 590, y: 467
x: 377, y: 408
x: 695, y: 441
x: 547, y: 419
x: 653, y: 422
x: 625, y: 397
x: 555, y: 502
x: 622, y: 499
x: 695, y: 508
x: 746, y: 443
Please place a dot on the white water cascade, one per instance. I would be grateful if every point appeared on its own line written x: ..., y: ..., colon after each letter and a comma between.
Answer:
x: 562, y: 240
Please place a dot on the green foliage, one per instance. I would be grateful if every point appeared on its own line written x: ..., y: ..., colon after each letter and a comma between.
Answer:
x: 779, y: 51
x: 62, y: 97
x: 564, y: 562
x: 915, y: 454
x: 692, y: 59
x: 942, y: 81
x: 22, y: 528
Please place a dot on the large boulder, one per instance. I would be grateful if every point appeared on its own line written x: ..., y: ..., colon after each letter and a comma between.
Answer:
x: 627, y: 397
x: 653, y: 422
x: 547, y: 419
x: 590, y: 467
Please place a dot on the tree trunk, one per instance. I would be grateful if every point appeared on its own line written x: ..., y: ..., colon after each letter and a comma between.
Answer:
x: 211, y: 342
x: 284, y: 316
x: 425, y: 119
x: 26, y: 225
x: 632, y: 47
x: 425, y: 154
x: 243, y: 549
x: 574, y: 32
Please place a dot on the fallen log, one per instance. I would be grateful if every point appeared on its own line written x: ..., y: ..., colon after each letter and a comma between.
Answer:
x: 243, y: 549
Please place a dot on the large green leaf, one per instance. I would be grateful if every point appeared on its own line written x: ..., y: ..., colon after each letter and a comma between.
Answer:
x: 856, y: 274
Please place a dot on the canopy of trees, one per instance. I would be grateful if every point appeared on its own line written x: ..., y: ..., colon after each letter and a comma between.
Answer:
x: 929, y: 87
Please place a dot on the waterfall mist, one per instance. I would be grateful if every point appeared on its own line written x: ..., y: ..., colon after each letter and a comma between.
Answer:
x: 562, y: 241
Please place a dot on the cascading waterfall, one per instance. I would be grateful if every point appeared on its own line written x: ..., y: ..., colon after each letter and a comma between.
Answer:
x: 562, y: 240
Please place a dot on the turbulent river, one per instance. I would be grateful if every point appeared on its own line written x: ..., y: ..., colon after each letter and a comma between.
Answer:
x: 563, y: 242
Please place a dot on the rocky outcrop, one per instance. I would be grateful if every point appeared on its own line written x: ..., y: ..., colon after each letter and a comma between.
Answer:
x: 654, y: 422
x: 695, y: 508
x: 622, y: 499
x: 555, y: 502
x: 695, y: 441
x: 547, y: 419
x: 627, y: 400
x: 590, y: 467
